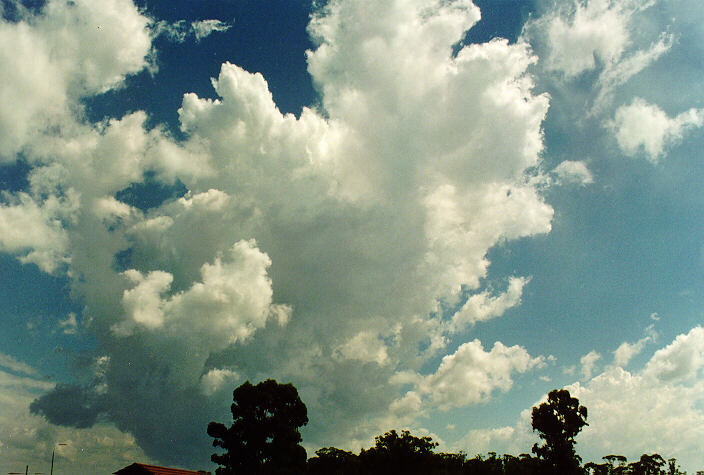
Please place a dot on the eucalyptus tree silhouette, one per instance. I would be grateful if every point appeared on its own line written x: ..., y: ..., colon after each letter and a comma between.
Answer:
x: 331, y: 460
x: 400, y: 454
x: 558, y: 421
x: 264, y: 437
x: 647, y: 465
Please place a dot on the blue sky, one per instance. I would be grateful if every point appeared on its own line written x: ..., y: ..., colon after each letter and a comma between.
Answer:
x: 425, y: 215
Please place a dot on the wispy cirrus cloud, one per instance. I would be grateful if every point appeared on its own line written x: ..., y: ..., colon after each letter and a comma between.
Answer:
x: 181, y: 30
x: 581, y: 37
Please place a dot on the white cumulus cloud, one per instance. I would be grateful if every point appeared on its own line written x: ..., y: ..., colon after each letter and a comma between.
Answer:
x: 643, y: 127
x: 588, y: 31
x: 655, y: 409
x: 626, y: 351
x: 229, y: 304
x: 583, y: 36
x: 588, y: 362
x: 484, y: 306
x: 76, y: 49
x: 680, y: 361
x: 471, y: 374
x: 576, y: 172
x: 368, y: 211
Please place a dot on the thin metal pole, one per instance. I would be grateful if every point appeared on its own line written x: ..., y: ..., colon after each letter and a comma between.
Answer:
x: 52, y: 457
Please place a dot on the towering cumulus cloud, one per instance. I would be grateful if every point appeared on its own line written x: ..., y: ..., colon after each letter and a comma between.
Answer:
x: 316, y: 249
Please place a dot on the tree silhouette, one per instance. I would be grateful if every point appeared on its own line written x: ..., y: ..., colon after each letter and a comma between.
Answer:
x: 331, y: 460
x: 400, y: 454
x: 598, y: 468
x: 558, y: 421
x: 647, y: 465
x: 613, y: 465
x: 673, y: 467
x: 264, y: 439
x: 264, y: 436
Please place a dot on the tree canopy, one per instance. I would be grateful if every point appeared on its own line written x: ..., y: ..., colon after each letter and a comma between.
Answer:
x: 265, y: 439
x: 405, y: 453
x: 264, y: 436
x: 558, y: 421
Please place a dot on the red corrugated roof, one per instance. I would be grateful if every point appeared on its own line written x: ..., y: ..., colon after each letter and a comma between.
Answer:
x: 140, y: 468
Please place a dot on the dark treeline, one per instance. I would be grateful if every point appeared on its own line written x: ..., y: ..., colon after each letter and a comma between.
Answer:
x: 264, y: 438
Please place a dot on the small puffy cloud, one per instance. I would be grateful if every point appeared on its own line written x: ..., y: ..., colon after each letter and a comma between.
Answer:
x: 143, y: 302
x: 35, y: 230
x: 218, y: 379
x: 69, y: 326
x: 471, y: 375
x: 364, y: 346
x: 640, y: 126
x: 484, y: 306
x: 111, y: 210
x: 588, y: 361
x: 572, y: 172
x: 228, y: 305
x: 626, y: 351
x: 682, y: 360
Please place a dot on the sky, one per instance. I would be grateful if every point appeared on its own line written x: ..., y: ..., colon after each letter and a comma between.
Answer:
x: 424, y: 214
